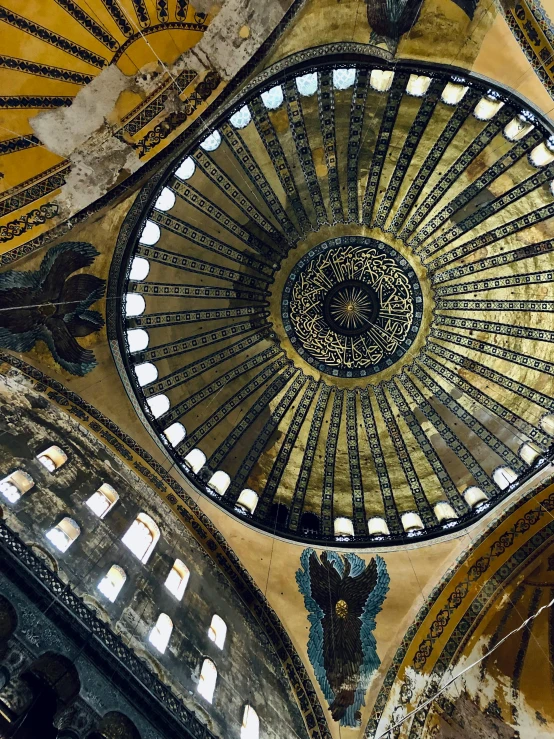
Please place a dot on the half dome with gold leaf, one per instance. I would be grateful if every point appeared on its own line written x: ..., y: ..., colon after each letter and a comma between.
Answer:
x: 338, y: 311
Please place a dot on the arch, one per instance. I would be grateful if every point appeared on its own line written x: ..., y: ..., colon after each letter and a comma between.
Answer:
x: 52, y: 458
x: 272, y: 99
x: 278, y: 514
x: 211, y: 142
x: 59, y: 673
x: 518, y: 127
x: 487, y: 107
x: 543, y: 154
x: 208, y: 679
x: 64, y: 533
x: 377, y: 526
x: 186, y: 169
x: 547, y: 424
x: 504, y: 477
x: 150, y: 234
x: 344, y: 78
x: 177, y: 579
x: 219, y: 482
x: 381, y: 79
x: 418, y: 84
x: 444, y: 512
x: 146, y: 373
x: 453, y: 93
x: 102, y: 500
x: 242, y: 117
x: 112, y: 582
x: 309, y: 523
x: 135, y: 305
x: 161, y: 633
x: 307, y: 84
x: 158, y: 405
x: 195, y: 460
x: 166, y: 199
x: 142, y: 536
x: 250, y: 728
x: 474, y: 496
x: 411, y: 522
x: 15, y: 485
x: 343, y: 526
x: 140, y: 267
x: 529, y: 452
x: 217, y: 631
x: 175, y: 433
x: 138, y: 339
x: 247, y: 501
x: 115, y: 724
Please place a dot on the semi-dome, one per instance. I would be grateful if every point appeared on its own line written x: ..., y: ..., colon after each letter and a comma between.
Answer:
x: 348, y: 275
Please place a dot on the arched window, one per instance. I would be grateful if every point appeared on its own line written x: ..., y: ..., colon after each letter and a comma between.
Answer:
x: 418, y: 84
x: 444, y: 512
x: 344, y: 78
x: 307, y: 84
x: 112, y: 582
x: 134, y: 305
x: 453, y: 93
x: 247, y: 501
x: 504, y: 477
x: 138, y: 339
x: 250, y: 728
x: 15, y: 485
x: 146, y: 373
x: 150, y: 234
x: 278, y: 514
x: 101, y: 501
x: 211, y: 142
x: 242, y: 117
x: 343, y: 526
x: 52, y: 458
x: 474, y: 497
x: 273, y: 98
x: 218, y: 631
x: 309, y: 523
x: 140, y: 267
x: 381, y: 79
x: 219, y: 482
x: 547, y: 424
x: 411, y: 522
x: 529, y: 452
x: 518, y: 127
x: 64, y: 534
x: 377, y: 526
x: 142, y: 536
x: 543, y: 154
x: 487, y: 107
x: 208, y: 678
x: 195, y: 460
x: 161, y: 633
x: 175, y: 433
x: 166, y: 199
x: 158, y: 405
x: 186, y: 169
x: 176, y: 581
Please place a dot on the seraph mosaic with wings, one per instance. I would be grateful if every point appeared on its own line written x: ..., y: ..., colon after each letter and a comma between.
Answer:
x: 343, y: 595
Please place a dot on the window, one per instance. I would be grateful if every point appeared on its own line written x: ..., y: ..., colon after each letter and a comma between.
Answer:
x: 211, y: 142
x: 518, y: 127
x: 444, y: 512
x: 543, y: 154
x: 186, y: 170
x: 208, y: 677
x: 146, y: 373
x: 158, y: 405
x: 161, y: 633
x: 176, y: 581
x: 150, y: 234
x: 247, y: 501
x: 250, y: 728
x: 411, y: 522
x: 487, y: 107
x: 377, y: 526
x: 141, y: 537
x: 307, y: 84
x: 453, y: 93
x: 474, y: 497
x: 195, y: 460
x: 241, y: 118
x: 110, y: 585
x: 15, y: 485
x: 343, y: 526
x: 166, y: 199
x: 219, y: 482
x: 175, y: 433
x: 140, y: 268
x: 381, y: 79
x: 218, y: 631
x: 504, y: 477
x: 52, y: 458
x: 273, y: 98
x: 138, y: 339
x: 102, y: 500
x: 530, y: 452
x: 418, y: 85
x: 344, y: 78
x: 134, y: 305
x: 547, y: 424
x: 64, y: 534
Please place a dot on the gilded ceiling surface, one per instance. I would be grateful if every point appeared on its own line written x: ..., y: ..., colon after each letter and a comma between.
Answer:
x: 337, y: 299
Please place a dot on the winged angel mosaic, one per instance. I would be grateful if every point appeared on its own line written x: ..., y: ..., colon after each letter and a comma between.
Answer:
x: 53, y: 305
x: 343, y: 595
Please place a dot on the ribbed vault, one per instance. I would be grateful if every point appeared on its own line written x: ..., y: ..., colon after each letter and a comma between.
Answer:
x: 445, y: 176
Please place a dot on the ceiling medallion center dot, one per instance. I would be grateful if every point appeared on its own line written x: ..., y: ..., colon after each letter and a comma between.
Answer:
x: 352, y: 306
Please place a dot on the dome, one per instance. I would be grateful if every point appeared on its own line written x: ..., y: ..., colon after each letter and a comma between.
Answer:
x: 345, y: 302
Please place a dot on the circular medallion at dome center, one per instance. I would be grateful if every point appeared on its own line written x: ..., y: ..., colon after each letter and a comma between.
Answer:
x: 352, y: 306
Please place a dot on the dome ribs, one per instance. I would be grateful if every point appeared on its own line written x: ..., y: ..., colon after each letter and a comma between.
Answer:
x: 495, y: 283
x: 326, y: 106
x: 411, y: 142
x: 441, y: 473
x: 498, y: 329
x: 492, y: 173
x: 176, y: 318
x: 86, y: 21
x: 388, y: 121
x: 470, y: 153
x: 479, y: 475
x: 358, y: 508
x: 459, y: 115
x: 423, y: 506
x: 357, y: 114
x: 303, y: 149
x: 270, y: 140
x: 329, y: 463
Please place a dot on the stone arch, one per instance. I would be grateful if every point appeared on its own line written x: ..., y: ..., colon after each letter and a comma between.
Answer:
x: 115, y: 725
x: 58, y: 673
